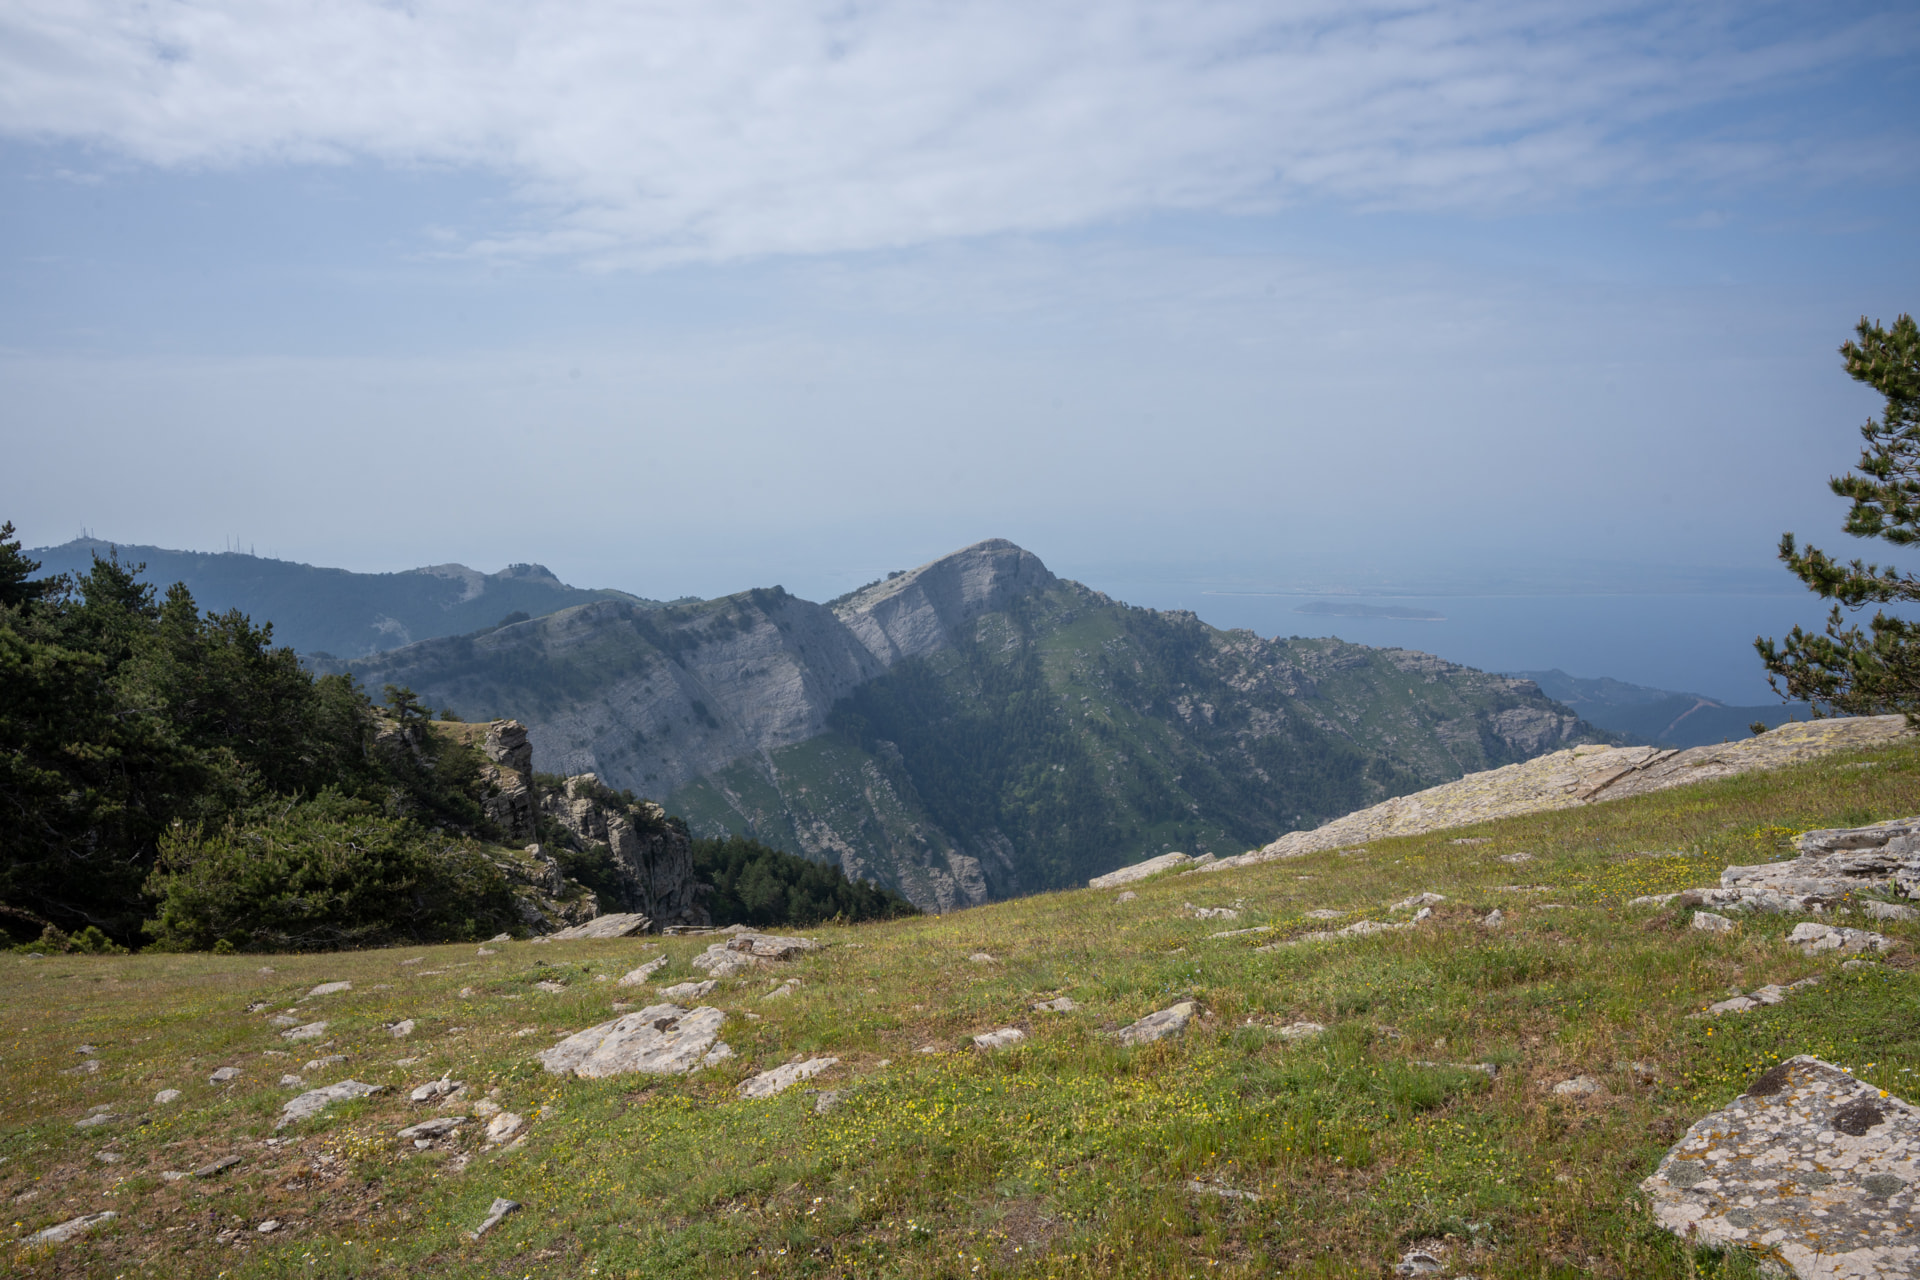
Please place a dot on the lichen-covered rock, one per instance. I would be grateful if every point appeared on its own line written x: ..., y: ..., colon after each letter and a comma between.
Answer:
x: 780, y: 1079
x: 1810, y: 1165
x: 661, y: 1039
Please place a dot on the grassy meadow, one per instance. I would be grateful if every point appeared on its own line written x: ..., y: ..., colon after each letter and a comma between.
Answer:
x: 1066, y: 1156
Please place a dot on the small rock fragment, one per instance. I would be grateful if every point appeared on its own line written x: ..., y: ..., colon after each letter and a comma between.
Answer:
x: 1004, y: 1038
x: 1515, y: 859
x: 329, y: 988
x: 322, y: 1063
x: 402, y: 1028
x: 501, y: 1208
x: 1817, y: 938
x: 1059, y: 1004
x: 268, y: 1227
x: 638, y: 977
x: 95, y: 1120
x: 1300, y: 1030
x: 783, y: 990
x: 216, y: 1167
x: 311, y: 1031
x: 552, y: 988
x: 486, y: 951
x: 689, y: 991
x: 71, y: 1228
x: 720, y: 1052
x: 826, y: 1102
x: 223, y: 1075
x: 1577, y: 1087
x: 1157, y: 1026
x: 503, y: 1126
x: 1128, y: 896
x: 780, y: 1079
x: 1493, y: 919
x: 1418, y: 900
x: 90, y: 1067
x: 1711, y: 923
x: 437, y: 1127
x: 981, y: 957
x: 1419, y: 1263
x: 433, y: 1089
x: 1225, y: 1193
x: 166, y: 1096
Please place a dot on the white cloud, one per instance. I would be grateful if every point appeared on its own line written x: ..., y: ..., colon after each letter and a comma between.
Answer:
x: 719, y: 129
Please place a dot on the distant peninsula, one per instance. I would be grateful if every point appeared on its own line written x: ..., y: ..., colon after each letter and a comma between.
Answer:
x: 1351, y: 609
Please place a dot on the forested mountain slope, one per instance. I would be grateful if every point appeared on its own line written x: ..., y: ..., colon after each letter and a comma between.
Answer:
x: 337, y: 611
x: 978, y: 728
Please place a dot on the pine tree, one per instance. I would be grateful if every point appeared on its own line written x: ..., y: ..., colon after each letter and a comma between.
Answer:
x: 1848, y: 670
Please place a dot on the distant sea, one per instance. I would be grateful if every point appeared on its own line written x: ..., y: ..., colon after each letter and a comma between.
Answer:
x: 1685, y: 642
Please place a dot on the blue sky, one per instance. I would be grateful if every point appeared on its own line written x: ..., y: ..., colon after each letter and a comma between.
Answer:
x: 1477, y: 297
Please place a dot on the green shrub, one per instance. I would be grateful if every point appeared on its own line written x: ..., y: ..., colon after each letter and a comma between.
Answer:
x: 332, y: 872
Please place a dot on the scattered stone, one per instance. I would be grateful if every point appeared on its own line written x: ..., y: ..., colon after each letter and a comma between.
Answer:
x: 1487, y: 1069
x: 1878, y: 910
x: 94, y: 1121
x: 438, y: 1127
x: 402, y: 1028
x: 1516, y: 858
x: 827, y: 1101
x: 619, y: 925
x: 1472, y: 840
x: 1577, y: 1087
x: 214, y: 1168
x: 167, y: 1095
x: 780, y: 1079
x: 1128, y: 896
x: 268, y: 1227
x: 85, y: 1049
x: 412, y: 960
x: 550, y: 987
x: 1493, y: 919
x: 501, y: 1208
x: 1225, y: 1193
x: 321, y: 1064
x: 466, y: 993
x: 71, y: 1228
x: 314, y: 1101
x: 981, y: 957
x: 284, y: 1020
x: 689, y: 991
x: 1358, y: 929
x: 486, y: 951
x: 1770, y: 994
x: 1418, y: 1263
x: 90, y: 1067
x: 329, y: 988
x: 434, y: 1089
x: 501, y: 937
x: 719, y: 962
x: 1324, y: 913
x: 661, y: 1039
x: 784, y: 989
x: 1817, y: 938
x: 1810, y: 1164
x: 1300, y: 1030
x: 291, y: 1081
x: 1059, y: 1004
x: 768, y: 946
x: 108, y: 1157
x: 1004, y: 1038
x: 311, y: 1031
x: 503, y: 1126
x: 266, y: 969
x: 1418, y: 900
x: 1158, y: 1026
x: 638, y: 977
x: 720, y: 1052
x: 1139, y: 871
x: 1241, y: 933
x: 1711, y: 923
x: 223, y: 1075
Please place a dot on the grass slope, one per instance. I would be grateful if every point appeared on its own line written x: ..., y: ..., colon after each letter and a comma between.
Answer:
x: 1066, y: 1156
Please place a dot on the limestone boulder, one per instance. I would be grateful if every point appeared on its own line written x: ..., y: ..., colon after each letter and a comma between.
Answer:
x: 1170, y: 1021
x: 314, y: 1101
x: 618, y: 925
x: 780, y: 1079
x: 661, y: 1039
x: 1811, y: 1165
x: 771, y: 946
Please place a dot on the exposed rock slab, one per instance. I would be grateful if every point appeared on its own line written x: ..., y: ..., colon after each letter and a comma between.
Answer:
x: 661, y: 1039
x: 1578, y: 776
x: 619, y: 925
x: 1170, y: 1021
x: 1004, y: 1038
x: 1140, y: 871
x: 780, y: 1079
x: 72, y: 1228
x: 771, y: 946
x: 1837, y: 869
x: 314, y: 1101
x: 638, y: 977
x: 1809, y: 1164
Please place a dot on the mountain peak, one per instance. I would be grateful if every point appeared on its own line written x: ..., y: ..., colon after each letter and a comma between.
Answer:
x: 920, y: 611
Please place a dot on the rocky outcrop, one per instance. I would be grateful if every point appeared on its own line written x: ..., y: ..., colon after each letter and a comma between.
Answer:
x: 1568, y: 779
x: 1810, y: 1165
x: 508, y: 778
x: 653, y: 852
x: 661, y: 1039
x: 1839, y: 869
x: 1140, y: 870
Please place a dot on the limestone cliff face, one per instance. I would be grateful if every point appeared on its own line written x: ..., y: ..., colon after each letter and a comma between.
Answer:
x: 653, y: 853
x: 927, y: 610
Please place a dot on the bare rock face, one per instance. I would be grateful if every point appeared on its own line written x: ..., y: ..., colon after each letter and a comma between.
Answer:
x: 661, y: 1039
x: 922, y: 611
x: 509, y: 778
x: 1811, y: 1165
x: 653, y: 852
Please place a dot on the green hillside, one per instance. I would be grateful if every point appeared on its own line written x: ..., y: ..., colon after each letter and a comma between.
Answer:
x: 1421, y: 1115
x: 336, y: 612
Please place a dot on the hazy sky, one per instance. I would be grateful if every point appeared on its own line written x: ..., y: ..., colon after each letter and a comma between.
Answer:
x: 685, y: 297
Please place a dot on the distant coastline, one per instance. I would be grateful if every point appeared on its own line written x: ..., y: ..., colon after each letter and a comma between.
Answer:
x: 1346, y: 609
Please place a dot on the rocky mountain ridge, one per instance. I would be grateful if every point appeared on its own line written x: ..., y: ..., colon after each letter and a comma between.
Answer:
x: 977, y: 727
